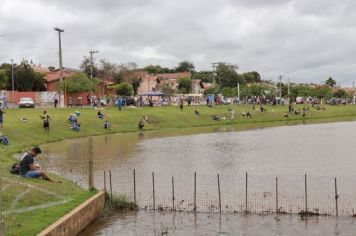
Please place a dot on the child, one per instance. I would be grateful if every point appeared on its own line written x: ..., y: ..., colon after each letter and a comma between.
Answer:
x: 45, y: 117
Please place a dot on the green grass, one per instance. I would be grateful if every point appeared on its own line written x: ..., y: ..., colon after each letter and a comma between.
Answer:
x: 24, y: 135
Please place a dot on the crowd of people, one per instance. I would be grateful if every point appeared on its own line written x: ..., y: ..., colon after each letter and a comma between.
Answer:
x: 27, y: 168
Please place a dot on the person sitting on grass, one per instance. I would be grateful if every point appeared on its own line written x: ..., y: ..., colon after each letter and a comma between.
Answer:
x: 216, y: 117
x: 107, y: 125
x: 3, y: 139
x: 74, y: 125
x: 100, y: 115
x: 28, y: 169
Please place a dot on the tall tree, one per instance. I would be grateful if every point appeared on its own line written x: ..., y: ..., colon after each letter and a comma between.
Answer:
x: 226, y: 76
x: 124, y: 89
x: 203, y: 76
x: 85, y: 66
x: 153, y: 69
x: 79, y: 82
x: 251, y: 77
x: 3, y: 79
x: 340, y: 93
x: 185, y: 66
x: 26, y: 79
x: 185, y: 85
x: 330, y: 82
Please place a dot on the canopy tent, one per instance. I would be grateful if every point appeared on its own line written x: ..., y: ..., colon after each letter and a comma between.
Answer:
x: 151, y: 93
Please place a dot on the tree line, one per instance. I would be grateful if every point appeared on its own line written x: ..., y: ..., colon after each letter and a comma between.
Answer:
x: 127, y: 77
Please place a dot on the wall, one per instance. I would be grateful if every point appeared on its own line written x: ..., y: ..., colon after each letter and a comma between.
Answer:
x: 76, y: 220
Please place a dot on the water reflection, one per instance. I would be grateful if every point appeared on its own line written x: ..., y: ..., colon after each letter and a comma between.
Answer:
x: 175, y: 223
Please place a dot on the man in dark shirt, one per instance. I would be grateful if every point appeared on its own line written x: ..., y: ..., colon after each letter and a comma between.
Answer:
x: 28, y: 169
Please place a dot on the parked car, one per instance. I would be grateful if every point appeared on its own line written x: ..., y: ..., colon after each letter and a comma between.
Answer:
x: 129, y: 101
x: 226, y: 101
x: 26, y: 103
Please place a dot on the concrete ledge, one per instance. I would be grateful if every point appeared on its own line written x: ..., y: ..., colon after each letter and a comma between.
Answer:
x: 76, y: 220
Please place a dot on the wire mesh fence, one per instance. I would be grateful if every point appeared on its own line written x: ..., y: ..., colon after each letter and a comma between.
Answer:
x: 19, y: 201
x: 234, y: 192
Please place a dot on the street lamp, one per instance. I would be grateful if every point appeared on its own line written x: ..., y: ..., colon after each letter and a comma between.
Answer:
x: 61, y: 99
x: 91, y: 74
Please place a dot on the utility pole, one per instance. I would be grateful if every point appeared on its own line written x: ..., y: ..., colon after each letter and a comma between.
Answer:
x: 61, y: 97
x: 288, y: 87
x: 238, y: 91
x: 91, y: 74
x: 214, y: 65
x: 91, y: 62
x: 353, y: 92
x: 280, y: 89
x: 12, y: 81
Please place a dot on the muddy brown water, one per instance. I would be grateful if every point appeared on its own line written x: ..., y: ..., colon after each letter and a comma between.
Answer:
x: 323, y: 151
x: 202, y: 224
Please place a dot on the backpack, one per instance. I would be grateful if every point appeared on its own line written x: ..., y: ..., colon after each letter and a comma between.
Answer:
x: 15, y: 169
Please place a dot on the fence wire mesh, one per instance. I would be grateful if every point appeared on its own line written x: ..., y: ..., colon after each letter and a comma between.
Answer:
x: 237, y: 192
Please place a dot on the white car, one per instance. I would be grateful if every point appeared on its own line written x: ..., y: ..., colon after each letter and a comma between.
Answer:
x: 26, y: 103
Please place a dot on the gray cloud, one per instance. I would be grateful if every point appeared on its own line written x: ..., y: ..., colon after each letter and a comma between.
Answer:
x: 305, y: 40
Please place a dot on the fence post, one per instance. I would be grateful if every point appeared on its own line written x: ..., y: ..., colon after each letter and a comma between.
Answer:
x: 91, y: 155
x: 277, y: 209
x: 105, y: 181
x: 134, y: 182
x: 219, y: 193
x: 1, y: 220
x: 195, y: 191
x: 306, y: 193
x: 110, y: 186
x: 336, y: 198
x: 246, y: 197
x: 173, y: 207
x: 153, y: 191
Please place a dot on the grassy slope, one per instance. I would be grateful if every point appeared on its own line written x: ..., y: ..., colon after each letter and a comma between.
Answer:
x: 24, y: 135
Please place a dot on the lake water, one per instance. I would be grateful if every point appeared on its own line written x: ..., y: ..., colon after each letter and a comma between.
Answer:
x: 321, y: 151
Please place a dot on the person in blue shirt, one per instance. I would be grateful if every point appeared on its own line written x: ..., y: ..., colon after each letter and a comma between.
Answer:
x: 119, y: 103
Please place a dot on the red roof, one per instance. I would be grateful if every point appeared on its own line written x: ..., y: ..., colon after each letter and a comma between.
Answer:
x: 54, y: 75
x: 173, y: 75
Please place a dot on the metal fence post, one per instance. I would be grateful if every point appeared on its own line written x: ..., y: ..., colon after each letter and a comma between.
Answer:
x: 306, y: 193
x: 1, y: 220
x: 153, y: 191
x: 195, y: 191
x: 277, y: 209
x: 110, y: 186
x: 336, y: 198
x: 91, y: 155
x: 173, y: 207
x: 134, y: 182
x: 246, y: 193
x: 105, y: 181
x: 219, y: 193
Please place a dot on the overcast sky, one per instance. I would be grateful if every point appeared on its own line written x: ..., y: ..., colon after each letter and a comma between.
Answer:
x: 305, y: 40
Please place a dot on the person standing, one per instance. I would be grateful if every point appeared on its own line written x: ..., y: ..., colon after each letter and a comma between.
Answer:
x: 119, y: 103
x: 181, y: 101
x: 45, y: 117
x: 1, y: 118
x: 55, y: 101
x: 4, y: 102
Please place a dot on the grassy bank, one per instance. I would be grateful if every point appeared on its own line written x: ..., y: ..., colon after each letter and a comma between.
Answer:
x: 19, y: 194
